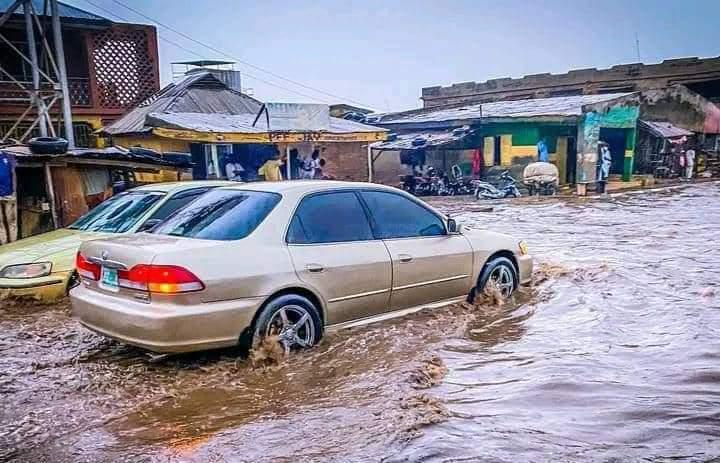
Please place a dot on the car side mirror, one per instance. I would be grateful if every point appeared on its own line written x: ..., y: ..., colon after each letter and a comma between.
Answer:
x: 453, y: 227
x: 149, y: 225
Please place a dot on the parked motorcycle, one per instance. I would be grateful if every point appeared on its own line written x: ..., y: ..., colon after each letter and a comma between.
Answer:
x: 506, y: 189
x: 430, y: 184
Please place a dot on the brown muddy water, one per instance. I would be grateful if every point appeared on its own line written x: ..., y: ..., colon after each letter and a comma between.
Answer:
x: 613, y: 355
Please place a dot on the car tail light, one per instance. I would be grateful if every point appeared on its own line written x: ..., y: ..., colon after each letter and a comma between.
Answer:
x: 87, y: 269
x: 164, y: 279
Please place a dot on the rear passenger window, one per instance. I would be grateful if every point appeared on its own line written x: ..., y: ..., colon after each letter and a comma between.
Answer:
x: 329, y: 218
x: 177, y: 201
x: 396, y: 216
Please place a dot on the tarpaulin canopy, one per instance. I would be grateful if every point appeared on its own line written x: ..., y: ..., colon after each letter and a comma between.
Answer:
x: 423, y: 140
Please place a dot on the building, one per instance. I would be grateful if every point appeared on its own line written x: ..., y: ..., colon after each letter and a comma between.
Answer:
x: 50, y: 191
x: 506, y: 133
x: 700, y: 75
x: 111, y: 67
x: 202, y: 115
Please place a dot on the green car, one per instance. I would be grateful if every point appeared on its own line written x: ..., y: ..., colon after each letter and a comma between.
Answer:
x: 43, y: 266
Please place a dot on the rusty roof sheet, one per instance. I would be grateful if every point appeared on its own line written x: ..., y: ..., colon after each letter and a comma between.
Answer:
x: 665, y: 129
x: 22, y: 152
x: 199, y: 92
x: 557, y: 106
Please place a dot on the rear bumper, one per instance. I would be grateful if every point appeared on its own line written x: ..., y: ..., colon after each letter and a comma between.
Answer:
x: 46, y: 289
x: 525, y: 267
x: 163, y: 327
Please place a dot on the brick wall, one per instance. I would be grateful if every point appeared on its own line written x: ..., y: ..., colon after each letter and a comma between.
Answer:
x: 345, y: 161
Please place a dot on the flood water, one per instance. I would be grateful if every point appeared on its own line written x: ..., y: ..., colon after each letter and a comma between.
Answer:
x: 612, y: 355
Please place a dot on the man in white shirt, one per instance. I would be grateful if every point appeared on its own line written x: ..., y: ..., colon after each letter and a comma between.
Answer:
x: 234, y: 171
x: 689, y: 163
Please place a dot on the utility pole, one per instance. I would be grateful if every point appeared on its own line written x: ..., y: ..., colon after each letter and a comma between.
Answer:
x: 35, y: 98
x: 637, y: 47
x: 62, y: 77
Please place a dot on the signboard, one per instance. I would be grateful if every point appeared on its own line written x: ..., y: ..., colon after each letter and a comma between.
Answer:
x: 298, y: 117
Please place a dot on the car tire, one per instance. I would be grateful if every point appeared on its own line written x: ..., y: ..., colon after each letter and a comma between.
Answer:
x: 48, y: 145
x: 299, y: 327
x: 498, y: 267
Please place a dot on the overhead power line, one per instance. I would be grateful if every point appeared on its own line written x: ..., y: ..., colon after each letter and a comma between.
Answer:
x: 246, y: 63
x: 180, y: 46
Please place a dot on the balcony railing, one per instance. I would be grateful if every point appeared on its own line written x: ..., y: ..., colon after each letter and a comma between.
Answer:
x: 80, y: 91
x: 79, y: 87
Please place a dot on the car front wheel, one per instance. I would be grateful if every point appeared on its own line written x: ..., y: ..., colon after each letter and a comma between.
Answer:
x: 501, y: 272
x: 294, y: 319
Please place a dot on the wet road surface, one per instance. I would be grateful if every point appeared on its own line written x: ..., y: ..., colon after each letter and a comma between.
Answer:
x: 612, y: 355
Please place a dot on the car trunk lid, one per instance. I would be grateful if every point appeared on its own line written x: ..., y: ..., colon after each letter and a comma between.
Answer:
x: 123, y: 253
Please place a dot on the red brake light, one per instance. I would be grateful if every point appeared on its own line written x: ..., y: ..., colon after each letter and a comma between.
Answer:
x: 87, y: 269
x: 165, y: 279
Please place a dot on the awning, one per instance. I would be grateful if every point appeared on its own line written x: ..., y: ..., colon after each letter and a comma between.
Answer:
x: 250, y: 128
x: 665, y: 129
x: 424, y: 140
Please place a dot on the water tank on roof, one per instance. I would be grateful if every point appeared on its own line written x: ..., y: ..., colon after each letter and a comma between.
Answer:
x: 229, y: 78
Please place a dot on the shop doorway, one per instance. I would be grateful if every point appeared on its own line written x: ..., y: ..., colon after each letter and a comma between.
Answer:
x: 497, y: 150
x: 615, y: 138
x: 571, y: 160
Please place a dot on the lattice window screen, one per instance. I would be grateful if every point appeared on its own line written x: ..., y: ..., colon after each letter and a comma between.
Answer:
x: 124, y: 67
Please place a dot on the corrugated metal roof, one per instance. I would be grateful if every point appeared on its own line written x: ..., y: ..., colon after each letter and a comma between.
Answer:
x: 199, y: 92
x: 97, y: 154
x: 419, y: 140
x: 243, y: 123
x: 665, y: 129
x: 558, y: 106
x: 65, y: 10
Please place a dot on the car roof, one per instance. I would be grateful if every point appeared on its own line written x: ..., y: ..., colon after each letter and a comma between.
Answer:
x: 305, y: 186
x: 174, y: 187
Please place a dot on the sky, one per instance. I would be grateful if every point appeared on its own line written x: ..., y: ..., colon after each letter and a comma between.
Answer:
x: 380, y: 53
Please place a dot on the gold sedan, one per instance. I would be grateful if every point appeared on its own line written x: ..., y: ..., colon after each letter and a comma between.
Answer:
x: 289, y: 258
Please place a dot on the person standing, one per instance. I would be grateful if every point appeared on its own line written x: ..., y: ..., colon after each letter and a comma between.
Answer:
x: 234, y: 171
x: 689, y: 163
x: 543, y: 154
x: 270, y: 171
x: 605, y: 160
x: 315, y: 168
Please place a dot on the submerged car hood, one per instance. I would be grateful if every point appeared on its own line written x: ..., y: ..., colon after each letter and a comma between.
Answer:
x: 58, y: 247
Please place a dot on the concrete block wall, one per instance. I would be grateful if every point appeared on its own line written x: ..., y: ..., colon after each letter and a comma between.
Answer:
x: 619, y: 78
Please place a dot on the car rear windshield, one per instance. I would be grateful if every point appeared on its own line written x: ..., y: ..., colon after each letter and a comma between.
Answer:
x: 221, y: 215
x: 119, y: 213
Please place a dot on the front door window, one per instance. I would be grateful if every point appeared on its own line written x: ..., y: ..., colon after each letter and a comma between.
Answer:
x: 333, y: 250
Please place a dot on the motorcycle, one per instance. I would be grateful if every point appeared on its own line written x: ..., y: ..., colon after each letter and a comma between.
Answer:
x: 507, y: 188
x: 430, y: 184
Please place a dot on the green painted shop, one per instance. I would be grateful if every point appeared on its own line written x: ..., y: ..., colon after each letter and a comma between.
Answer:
x: 506, y: 134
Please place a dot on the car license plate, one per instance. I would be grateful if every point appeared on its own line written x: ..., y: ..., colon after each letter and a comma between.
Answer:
x: 109, y: 279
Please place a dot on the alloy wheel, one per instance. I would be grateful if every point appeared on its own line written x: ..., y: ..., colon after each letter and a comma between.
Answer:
x: 503, y: 278
x: 293, y: 326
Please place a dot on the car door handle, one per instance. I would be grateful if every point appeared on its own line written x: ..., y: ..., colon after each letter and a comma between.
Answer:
x: 314, y: 268
x: 405, y: 257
